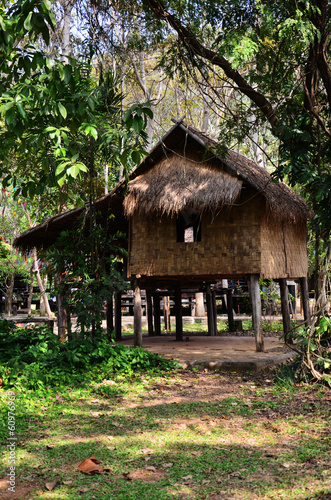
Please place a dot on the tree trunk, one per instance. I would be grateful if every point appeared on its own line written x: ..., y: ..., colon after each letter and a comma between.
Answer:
x: 62, y: 317
x: 41, y: 288
x: 118, y: 315
x: 30, y: 292
x: 110, y: 317
x: 42, y: 303
x: 9, y: 295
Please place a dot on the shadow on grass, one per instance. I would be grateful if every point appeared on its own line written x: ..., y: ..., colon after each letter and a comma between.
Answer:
x: 206, y: 450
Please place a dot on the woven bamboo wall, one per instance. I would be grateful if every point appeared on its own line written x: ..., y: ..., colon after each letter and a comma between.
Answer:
x: 230, y: 244
x: 283, y: 250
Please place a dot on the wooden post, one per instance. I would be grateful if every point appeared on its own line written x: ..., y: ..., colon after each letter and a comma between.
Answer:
x: 149, y: 307
x: 305, y: 298
x: 110, y: 317
x: 210, y: 315
x: 229, y: 306
x: 199, y: 305
x: 166, y: 313
x: 157, y: 314
x: 137, y: 313
x: 118, y: 315
x: 285, y: 308
x: 256, y: 311
x: 213, y: 296
x: 178, y: 313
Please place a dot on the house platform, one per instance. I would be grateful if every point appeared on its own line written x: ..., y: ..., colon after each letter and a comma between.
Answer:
x: 218, y: 353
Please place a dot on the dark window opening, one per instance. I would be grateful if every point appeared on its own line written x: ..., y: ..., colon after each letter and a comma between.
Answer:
x: 188, y: 227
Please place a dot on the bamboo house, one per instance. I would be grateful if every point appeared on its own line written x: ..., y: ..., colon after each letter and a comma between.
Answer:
x: 195, y: 215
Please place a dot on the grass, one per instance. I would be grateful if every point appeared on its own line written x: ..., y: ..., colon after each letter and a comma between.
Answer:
x: 185, y: 434
x: 222, y: 326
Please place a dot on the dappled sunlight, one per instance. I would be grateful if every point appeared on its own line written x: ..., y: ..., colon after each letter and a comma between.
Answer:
x: 196, y: 434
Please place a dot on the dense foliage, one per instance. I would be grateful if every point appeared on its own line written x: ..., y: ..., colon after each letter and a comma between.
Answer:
x: 86, y: 262
x: 33, y: 358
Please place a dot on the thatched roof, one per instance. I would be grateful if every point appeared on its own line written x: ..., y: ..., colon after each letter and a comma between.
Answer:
x: 167, y: 182
x: 176, y: 184
x: 45, y: 234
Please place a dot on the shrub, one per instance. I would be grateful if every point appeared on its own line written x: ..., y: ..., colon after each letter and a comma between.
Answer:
x: 33, y: 357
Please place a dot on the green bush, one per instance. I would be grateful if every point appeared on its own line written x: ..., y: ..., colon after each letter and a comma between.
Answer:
x: 33, y: 358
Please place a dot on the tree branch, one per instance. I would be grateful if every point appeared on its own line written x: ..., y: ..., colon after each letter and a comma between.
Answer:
x: 191, y: 42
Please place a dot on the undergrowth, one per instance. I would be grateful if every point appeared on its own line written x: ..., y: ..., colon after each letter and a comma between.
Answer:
x: 33, y: 357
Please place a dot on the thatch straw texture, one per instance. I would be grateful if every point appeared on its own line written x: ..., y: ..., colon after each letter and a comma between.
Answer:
x: 176, y: 184
x: 283, y: 204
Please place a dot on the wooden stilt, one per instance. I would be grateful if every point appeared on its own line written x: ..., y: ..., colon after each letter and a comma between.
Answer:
x: 178, y: 313
x: 213, y: 296
x: 157, y: 314
x: 137, y: 314
x: 110, y: 317
x: 285, y: 307
x: 118, y: 315
x: 210, y: 315
x: 305, y: 298
x: 199, y: 305
x: 229, y: 306
x: 149, y: 307
x: 256, y: 311
x: 166, y: 313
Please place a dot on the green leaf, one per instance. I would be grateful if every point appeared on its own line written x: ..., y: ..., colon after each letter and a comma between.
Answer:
x: 21, y: 110
x: 61, y: 71
x: 148, y: 112
x: 76, y: 169
x: 138, y: 124
x: 27, y: 22
x: 62, y: 110
x: 11, y: 117
x: 91, y: 103
x: 135, y: 157
x: 67, y: 73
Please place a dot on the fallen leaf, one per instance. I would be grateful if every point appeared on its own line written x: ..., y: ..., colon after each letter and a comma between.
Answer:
x: 96, y: 413
x: 83, y: 490
x: 49, y: 446
x: 90, y: 466
x: 151, y: 468
x: 167, y: 465
x: 68, y: 483
x: 186, y: 478
x: 51, y: 486
x: 147, y: 451
x: 196, y: 453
